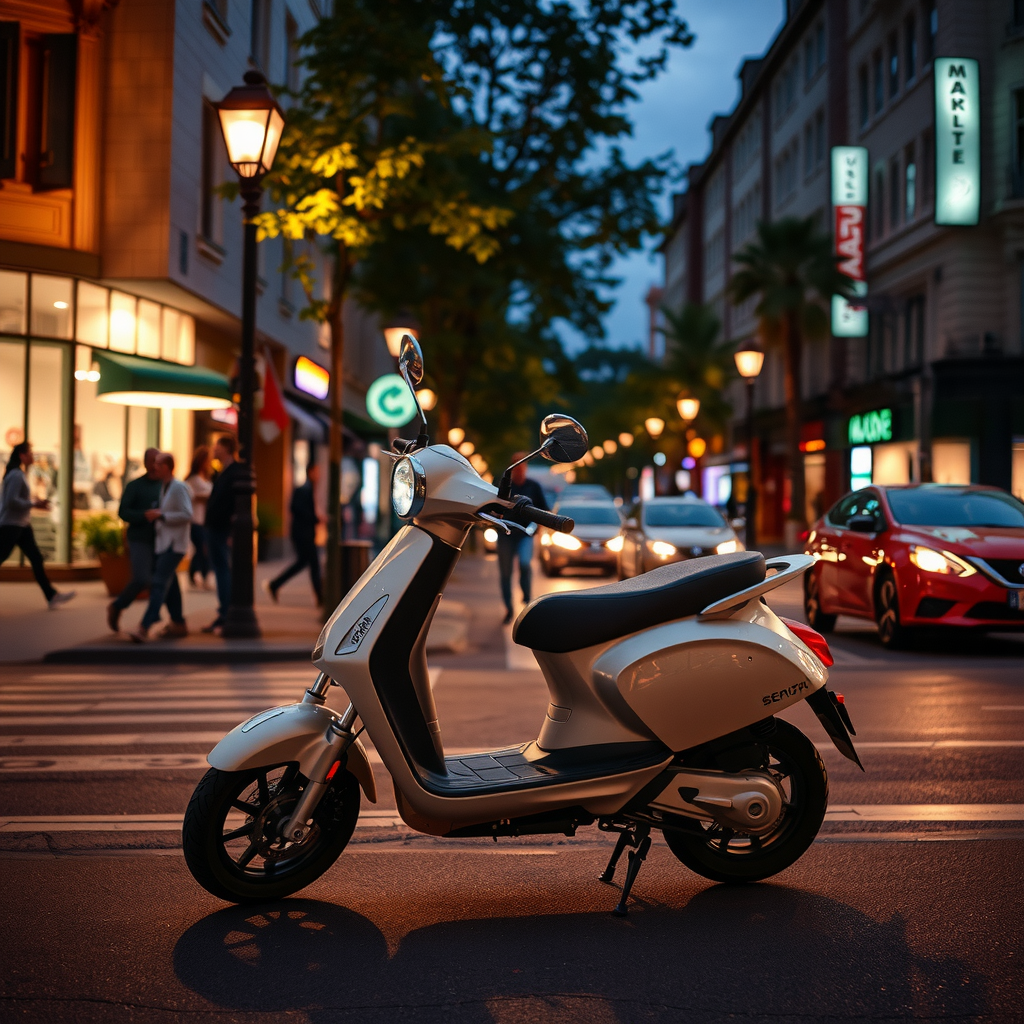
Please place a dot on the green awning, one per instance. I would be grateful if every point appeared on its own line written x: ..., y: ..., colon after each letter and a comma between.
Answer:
x: 155, y: 383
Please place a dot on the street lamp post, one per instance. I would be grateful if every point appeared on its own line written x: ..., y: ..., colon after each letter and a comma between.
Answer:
x: 251, y: 122
x: 749, y: 360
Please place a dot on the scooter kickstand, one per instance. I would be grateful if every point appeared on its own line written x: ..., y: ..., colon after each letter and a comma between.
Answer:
x: 636, y: 858
x: 625, y: 839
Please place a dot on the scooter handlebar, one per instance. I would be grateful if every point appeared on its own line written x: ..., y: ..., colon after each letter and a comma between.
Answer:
x: 563, y: 524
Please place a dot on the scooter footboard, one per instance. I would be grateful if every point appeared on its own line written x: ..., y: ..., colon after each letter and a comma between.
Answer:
x: 291, y: 733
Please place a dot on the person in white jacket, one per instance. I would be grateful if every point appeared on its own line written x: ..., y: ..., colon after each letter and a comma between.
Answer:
x: 171, y: 519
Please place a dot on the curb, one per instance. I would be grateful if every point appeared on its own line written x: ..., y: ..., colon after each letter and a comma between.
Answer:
x: 159, y: 654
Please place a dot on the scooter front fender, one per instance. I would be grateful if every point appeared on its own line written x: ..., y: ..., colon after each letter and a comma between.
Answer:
x: 291, y: 733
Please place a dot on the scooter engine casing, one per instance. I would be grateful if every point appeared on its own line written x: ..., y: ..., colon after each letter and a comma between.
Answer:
x: 685, y: 682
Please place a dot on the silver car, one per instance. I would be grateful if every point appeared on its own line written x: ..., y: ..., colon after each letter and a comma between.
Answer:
x: 663, y: 530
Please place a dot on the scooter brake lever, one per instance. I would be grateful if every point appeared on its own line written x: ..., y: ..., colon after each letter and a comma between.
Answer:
x: 504, y: 524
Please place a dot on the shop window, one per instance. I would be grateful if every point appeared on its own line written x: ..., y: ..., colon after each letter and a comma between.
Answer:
x: 1017, y: 473
x: 91, y: 324
x: 122, y: 322
x: 12, y: 302
x: 148, y: 329
x: 12, y: 396
x: 211, y: 220
x: 99, y: 451
x: 951, y: 462
x: 893, y: 463
x: 9, y: 44
x: 46, y: 413
x: 52, y: 306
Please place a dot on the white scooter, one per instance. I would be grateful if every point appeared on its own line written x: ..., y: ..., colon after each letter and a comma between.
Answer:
x: 664, y: 690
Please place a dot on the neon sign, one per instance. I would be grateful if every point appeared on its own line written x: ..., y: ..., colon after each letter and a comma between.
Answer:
x: 957, y: 141
x: 849, y: 209
x: 871, y: 427
x: 311, y: 377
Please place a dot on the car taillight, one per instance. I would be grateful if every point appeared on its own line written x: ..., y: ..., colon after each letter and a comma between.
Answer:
x: 817, y: 643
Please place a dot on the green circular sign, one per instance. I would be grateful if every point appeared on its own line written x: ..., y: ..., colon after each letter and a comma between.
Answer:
x: 389, y: 401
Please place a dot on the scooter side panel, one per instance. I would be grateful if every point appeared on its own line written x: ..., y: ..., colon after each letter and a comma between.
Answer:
x: 292, y: 733
x: 692, y: 681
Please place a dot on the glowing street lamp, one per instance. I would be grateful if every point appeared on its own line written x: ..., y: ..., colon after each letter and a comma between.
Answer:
x: 252, y: 122
x: 456, y: 436
x: 610, y: 447
x: 428, y: 399
x: 654, y: 425
x: 625, y: 439
x: 688, y: 407
x: 749, y: 360
x: 395, y: 330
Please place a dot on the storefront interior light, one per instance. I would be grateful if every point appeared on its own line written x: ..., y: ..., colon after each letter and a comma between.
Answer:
x: 60, y: 305
x: 163, y: 400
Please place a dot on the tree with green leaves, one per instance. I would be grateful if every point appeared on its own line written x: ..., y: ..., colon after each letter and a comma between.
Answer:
x: 549, y: 85
x: 371, y: 148
x: 791, y: 267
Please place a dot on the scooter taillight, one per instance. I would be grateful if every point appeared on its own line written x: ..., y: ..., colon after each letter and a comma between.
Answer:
x: 817, y: 643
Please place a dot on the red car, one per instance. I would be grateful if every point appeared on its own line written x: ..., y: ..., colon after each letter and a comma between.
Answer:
x: 918, y: 555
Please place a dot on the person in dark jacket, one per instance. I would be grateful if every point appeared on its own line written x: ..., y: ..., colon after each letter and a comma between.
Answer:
x: 303, y: 533
x: 220, y: 510
x: 518, y: 544
x: 16, y: 504
x: 140, y: 496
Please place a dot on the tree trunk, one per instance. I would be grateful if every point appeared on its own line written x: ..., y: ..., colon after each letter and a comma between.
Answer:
x: 794, y: 418
x: 335, y: 523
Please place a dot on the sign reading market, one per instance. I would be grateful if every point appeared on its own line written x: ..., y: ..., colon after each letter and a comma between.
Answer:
x: 849, y: 209
x: 957, y: 141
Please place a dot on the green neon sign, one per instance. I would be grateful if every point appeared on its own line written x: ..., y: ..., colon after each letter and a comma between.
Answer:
x: 389, y: 401
x: 871, y: 427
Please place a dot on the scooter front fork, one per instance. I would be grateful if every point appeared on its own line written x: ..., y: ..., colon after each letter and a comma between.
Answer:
x: 337, y: 740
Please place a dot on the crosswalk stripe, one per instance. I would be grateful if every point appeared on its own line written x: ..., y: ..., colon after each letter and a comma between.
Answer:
x: 113, y: 739
x: 926, y: 812
x: 137, y: 718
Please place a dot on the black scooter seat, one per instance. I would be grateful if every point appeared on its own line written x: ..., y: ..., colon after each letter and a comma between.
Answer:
x: 582, y: 618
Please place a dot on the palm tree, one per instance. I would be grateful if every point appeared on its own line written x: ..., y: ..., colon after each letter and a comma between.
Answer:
x: 791, y: 266
x: 698, y: 361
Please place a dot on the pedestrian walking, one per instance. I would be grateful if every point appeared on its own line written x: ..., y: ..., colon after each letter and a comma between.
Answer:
x: 140, y: 496
x: 171, y: 520
x: 220, y: 510
x: 16, y: 504
x: 519, y: 545
x: 199, y: 487
x: 303, y: 534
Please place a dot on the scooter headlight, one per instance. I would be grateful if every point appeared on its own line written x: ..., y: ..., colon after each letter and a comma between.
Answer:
x: 408, y: 487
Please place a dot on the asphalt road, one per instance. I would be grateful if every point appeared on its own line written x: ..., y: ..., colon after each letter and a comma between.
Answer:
x: 908, y: 905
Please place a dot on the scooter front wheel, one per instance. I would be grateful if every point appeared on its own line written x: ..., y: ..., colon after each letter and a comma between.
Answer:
x: 725, y: 855
x: 231, y: 833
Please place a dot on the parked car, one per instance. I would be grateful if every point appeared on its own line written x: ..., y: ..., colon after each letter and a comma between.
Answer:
x: 918, y: 555
x: 584, y: 492
x: 663, y: 530
x: 594, y: 543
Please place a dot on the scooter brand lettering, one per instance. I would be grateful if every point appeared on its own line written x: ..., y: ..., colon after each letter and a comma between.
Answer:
x: 789, y: 691
x: 354, y: 637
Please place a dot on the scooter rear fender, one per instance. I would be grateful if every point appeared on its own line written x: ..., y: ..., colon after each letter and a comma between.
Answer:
x: 293, y: 733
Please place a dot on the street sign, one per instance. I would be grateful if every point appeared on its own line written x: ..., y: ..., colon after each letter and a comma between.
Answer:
x: 957, y: 140
x: 849, y: 212
x: 389, y: 401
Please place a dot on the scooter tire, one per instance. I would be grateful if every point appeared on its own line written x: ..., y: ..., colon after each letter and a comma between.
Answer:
x: 734, y: 858
x: 220, y: 874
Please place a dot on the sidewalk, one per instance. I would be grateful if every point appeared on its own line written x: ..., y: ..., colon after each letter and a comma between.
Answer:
x: 77, y: 634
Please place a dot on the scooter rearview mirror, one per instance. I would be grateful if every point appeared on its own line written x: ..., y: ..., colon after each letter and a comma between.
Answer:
x: 562, y: 438
x: 410, y: 360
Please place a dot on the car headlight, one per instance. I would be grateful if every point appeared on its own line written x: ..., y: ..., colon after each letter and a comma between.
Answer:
x: 727, y: 547
x: 408, y: 487
x: 662, y: 548
x: 615, y: 544
x: 943, y: 562
x: 566, y: 541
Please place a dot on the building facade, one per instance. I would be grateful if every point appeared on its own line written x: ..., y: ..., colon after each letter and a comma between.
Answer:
x: 112, y: 237
x: 934, y: 390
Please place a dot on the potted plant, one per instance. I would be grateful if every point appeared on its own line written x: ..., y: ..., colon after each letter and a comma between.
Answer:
x: 103, y: 534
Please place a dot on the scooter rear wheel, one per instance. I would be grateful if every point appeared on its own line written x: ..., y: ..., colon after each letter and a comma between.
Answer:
x: 244, y: 860
x: 724, y: 855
